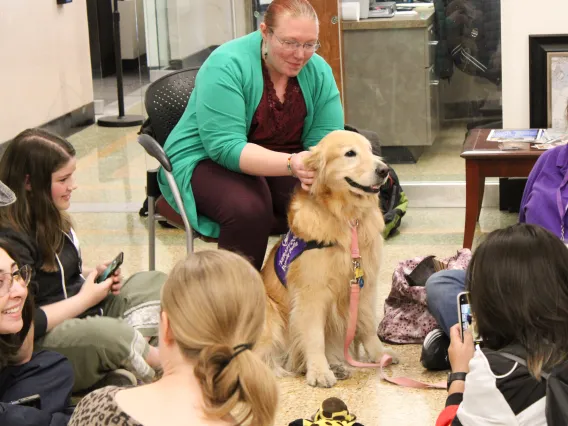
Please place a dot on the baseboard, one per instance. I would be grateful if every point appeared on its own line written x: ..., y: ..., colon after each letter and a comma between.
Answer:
x: 401, y: 154
x: 194, y: 60
x: 134, y: 63
x: 72, y: 122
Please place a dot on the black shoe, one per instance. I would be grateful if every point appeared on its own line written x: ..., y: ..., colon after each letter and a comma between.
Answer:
x: 435, y: 351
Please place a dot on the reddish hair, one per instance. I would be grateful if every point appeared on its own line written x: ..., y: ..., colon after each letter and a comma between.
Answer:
x: 294, y: 8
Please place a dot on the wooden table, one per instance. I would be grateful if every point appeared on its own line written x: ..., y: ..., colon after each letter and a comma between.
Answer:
x: 485, y: 159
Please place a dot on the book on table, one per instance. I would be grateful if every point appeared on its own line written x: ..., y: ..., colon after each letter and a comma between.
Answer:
x: 514, y: 135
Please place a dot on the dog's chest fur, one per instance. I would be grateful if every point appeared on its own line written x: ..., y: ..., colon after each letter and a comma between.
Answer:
x: 329, y: 224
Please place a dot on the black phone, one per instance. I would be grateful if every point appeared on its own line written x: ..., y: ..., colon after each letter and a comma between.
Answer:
x: 29, y: 401
x: 465, y: 316
x: 111, y: 268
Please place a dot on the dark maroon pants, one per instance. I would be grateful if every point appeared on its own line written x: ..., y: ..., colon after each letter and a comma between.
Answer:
x: 248, y: 208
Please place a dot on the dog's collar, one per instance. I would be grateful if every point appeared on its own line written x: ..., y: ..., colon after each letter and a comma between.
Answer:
x: 368, y: 189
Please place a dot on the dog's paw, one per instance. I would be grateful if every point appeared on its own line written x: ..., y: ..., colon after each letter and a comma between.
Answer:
x: 321, y: 378
x: 393, y: 355
x: 340, y: 371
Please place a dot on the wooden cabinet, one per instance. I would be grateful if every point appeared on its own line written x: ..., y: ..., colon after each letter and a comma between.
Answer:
x: 390, y: 82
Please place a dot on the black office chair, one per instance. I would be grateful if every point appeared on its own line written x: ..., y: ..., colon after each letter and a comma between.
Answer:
x: 165, y: 102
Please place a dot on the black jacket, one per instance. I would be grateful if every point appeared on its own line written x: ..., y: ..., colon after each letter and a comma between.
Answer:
x: 469, y: 38
x: 518, y: 387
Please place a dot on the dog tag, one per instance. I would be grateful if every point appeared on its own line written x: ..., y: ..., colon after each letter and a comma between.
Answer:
x: 361, y: 282
x: 358, y: 272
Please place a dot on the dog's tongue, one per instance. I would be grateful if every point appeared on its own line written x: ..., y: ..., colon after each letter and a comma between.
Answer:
x: 375, y: 186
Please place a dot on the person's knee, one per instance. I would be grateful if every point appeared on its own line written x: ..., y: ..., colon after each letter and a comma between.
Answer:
x: 255, y: 212
x: 104, y: 333
x: 440, y: 283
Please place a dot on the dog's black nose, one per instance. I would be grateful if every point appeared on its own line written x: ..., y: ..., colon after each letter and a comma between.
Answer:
x: 382, y: 171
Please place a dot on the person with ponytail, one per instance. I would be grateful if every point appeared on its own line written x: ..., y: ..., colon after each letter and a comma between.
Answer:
x: 213, y: 309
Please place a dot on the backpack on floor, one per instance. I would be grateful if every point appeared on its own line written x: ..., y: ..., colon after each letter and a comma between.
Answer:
x: 392, y: 199
x: 407, y: 319
x: 393, y: 203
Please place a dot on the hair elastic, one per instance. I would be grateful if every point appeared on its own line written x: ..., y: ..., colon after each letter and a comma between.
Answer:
x: 240, y: 349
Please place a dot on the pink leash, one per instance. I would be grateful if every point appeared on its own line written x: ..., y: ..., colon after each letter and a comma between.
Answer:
x: 356, y: 285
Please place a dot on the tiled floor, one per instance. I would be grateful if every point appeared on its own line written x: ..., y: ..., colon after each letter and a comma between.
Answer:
x: 111, y: 177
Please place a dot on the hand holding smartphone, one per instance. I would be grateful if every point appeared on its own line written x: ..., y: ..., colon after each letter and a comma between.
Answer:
x: 111, y: 268
x: 465, y: 316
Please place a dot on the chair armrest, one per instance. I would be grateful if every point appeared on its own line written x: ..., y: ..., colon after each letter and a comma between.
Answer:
x: 155, y: 150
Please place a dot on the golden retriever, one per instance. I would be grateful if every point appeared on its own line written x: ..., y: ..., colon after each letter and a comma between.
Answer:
x: 307, y: 318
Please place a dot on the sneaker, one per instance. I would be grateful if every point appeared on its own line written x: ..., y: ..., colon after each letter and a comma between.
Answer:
x: 434, y: 354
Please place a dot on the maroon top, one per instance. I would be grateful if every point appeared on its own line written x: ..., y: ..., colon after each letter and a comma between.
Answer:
x: 275, y: 125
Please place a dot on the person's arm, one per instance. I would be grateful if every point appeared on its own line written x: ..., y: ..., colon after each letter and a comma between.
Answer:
x: 460, y: 354
x: 220, y: 111
x: 221, y: 119
x: 258, y: 161
x: 90, y: 294
x: 328, y: 112
x: 530, y: 183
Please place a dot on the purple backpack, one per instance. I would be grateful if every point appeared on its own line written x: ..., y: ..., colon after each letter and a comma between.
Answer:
x: 407, y: 319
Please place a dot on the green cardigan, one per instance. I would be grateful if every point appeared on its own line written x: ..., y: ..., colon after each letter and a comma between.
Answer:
x: 216, y: 122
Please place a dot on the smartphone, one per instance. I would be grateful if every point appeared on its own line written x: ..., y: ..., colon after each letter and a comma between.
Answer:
x: 465, y: 317
x: 111, y: 268
x: 29, y: 401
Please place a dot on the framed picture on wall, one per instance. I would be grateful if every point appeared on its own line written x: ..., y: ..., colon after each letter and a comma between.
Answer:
x: 548, y: 76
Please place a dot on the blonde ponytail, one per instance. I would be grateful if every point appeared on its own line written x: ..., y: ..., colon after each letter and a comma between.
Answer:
x: 215, y: 302
x: 232, y: 377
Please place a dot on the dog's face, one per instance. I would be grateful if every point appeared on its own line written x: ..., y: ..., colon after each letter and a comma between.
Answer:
x: 344, y: 162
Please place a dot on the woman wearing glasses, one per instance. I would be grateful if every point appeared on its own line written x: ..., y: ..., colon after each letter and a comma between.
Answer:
x: 45, y: 376
x: 259, y: 103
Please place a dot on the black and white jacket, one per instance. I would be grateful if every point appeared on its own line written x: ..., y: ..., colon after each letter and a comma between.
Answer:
x: 498, y: 391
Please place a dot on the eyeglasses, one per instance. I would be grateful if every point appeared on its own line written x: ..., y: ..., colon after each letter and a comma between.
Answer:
x: 292, y: 46
x: 22, y: 275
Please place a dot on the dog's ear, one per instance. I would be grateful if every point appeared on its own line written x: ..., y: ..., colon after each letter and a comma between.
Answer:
x: 316, y: 162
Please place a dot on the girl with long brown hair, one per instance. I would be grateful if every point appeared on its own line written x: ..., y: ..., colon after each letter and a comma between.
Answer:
x: 102, y: 328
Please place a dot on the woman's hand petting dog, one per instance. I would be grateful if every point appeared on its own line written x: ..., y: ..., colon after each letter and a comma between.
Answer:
x: 460, y: 353
x: 299, y: 170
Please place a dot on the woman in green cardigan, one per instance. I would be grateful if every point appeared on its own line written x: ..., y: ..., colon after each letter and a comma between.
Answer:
x: 260, y: 102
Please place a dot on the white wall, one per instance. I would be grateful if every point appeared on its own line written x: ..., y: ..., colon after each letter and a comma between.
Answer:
x: 157, y: 43
x: 178, y: 28
x: 519, y: 19
x: 132, y: 29
x: 195, y: 25
x: 45, y: 64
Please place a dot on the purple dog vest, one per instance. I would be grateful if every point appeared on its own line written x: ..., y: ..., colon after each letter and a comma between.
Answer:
x: 290, y: 249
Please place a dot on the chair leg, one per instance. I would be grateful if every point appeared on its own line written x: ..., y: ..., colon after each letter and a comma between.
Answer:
x: 179, y: 202
x: 151, y: 233
x: 189, y: 241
